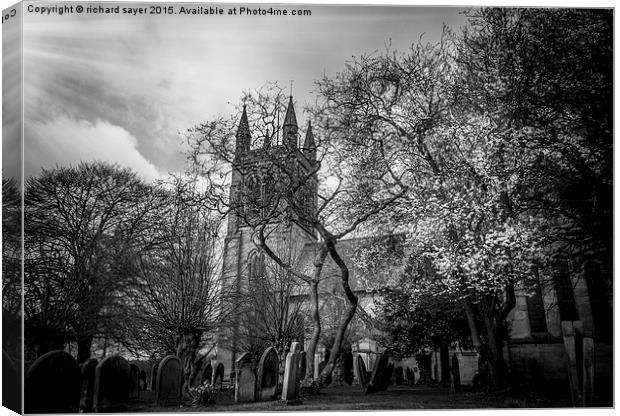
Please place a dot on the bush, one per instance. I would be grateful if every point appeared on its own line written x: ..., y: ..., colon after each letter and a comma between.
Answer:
x: 202, y: 395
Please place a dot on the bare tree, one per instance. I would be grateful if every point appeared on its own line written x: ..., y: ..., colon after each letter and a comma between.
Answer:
x: 11, y: 267
x: 329, y: 186
x: 179, y: 301
x: 81, y: 223
x: 275, y: 305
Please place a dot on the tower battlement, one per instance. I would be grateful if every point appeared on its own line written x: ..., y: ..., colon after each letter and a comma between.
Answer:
x: 274, y: 182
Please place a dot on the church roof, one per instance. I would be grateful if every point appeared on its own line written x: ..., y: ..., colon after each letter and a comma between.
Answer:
x: 243, y: 131
x: 309, y: 143
x: 290, y: 119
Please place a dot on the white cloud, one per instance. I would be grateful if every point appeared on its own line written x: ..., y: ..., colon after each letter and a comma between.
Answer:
x: 64, y: 141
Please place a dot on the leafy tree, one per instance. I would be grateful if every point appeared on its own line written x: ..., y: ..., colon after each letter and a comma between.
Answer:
x: 546, y: 77
x: 538, y: 83
x: 455, y: 171
x: 489, y: 193
x: 415, y: 321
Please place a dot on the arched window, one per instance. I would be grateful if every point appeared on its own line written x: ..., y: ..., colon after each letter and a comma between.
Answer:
x: 256, y: 267
x: 252, y: 196
x: 267, y: 195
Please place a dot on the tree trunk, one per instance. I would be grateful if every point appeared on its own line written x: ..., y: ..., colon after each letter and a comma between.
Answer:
x: 444, y: 356
x: 497, y: 377
x: 84, y: 344
x: 340, y: 335
x: 491, y: 364
x: 187, y: 349
x: 316, y: 331
x: 319, y: 261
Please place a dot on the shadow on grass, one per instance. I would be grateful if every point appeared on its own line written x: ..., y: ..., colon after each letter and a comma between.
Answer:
x: 353, y: 398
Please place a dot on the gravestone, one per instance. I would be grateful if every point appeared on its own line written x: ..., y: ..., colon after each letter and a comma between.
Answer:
x: 301, y: 371
x: 398, y: 375
x: 455, y: 379
x: 207, y: 374
x: 410, y: 376
x: 245, y: 380
x: 317, y: 362
x: 168, y: 392
x: 53, y: 384
x: 290, y: 386
x: 388, y: 377
x: 154, y: 375
x: 267, y: 378
x: 348, y: 368
x: 588, y: 371
x: 360, y: 372
x: 218, y: 376
x: 142, y: 379
x: 111, y: 385
x: 134, y: 382
x: 380, y: 377
x: 423, y: 369
x: 88, y: 385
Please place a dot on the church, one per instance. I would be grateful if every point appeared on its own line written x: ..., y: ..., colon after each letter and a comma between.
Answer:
x: 554, y: 336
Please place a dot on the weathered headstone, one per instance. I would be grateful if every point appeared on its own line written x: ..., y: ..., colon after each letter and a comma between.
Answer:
x: 569, y: 330
x: 52, y: 384
x: 111, y: 385
x: 168, y: 392
x: 207, y: 374
x: 301, y: 371
x: 317, y: 362
x: 245, y: 380
x: 379, y: 378
x: 218, y: 376
x: 455, y: 379
x: 399, y: 375
x: 348, y: 367
x: 588, y: 371
x: 409, y: 376
x: 142, y: 379
x: 360, y: 372
x: 267, y: 378
x: 290, y: 386
x: 154, y: 375
x: 388, y: 377
x: 88, y: 385
x: 134, y: 381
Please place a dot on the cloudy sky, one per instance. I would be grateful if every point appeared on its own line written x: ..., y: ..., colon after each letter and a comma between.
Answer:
x: 124, y: 88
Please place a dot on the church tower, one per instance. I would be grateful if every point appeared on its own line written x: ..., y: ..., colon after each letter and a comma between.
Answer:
x: 275, y: 183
